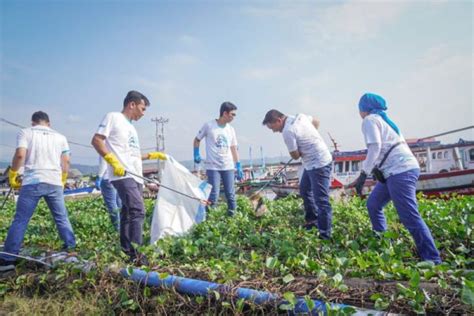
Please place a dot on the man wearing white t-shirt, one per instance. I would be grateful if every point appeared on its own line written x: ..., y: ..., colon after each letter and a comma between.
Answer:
x: 304, y: 141
x: 116, y: 140
x: 44, y: 153
x: 400, y: 172
x: 221, y: 154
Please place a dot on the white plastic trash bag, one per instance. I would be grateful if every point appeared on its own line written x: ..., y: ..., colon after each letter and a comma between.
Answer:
x: 175, y: 214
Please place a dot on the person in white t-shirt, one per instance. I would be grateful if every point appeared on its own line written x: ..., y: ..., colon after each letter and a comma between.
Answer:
x: 400, y: 172
x: 44, y: 153
x: 303, y: 140
x: 221, y: 155
x: 116, y: 140
x: 111, y: 199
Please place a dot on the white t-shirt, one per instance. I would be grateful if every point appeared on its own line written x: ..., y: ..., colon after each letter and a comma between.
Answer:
x: 218, y: 142
x: 121, y: 138
x: 102, y: 173
x: 44, y: 147
x: 300, y: 134
x: 400, y: 159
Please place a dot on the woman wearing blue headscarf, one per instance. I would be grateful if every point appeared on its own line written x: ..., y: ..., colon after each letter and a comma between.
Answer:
x: 398, y: 173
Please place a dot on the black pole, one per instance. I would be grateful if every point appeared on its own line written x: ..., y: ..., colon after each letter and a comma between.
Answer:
x: 6, y: 198
x: 446, y: 133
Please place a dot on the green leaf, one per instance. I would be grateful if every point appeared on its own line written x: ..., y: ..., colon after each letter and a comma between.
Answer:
x: 288, y: 278
x: 127, y: 302
x: 337, y: 278
x: 146, y: 292
x: 415, y: 279
x: 271, y: 262
x: 285, y: 307
x: 425, y: 265
x: 381, y: 304
x: 376, y: 296
x: 199, y: 299
x: 309, y: 302
x: 290, y: 297
x: 467, y: 293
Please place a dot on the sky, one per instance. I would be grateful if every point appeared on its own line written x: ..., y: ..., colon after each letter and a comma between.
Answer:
x: 76, y: 60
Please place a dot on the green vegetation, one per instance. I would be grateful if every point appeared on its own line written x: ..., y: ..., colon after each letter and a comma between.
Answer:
x: 271, y: 253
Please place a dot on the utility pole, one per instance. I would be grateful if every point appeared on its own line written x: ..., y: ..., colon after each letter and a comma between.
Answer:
x: 160, y: 139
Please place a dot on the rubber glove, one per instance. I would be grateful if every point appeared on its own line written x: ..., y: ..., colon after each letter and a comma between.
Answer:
x: 360, y: 183
x: 157, y: 155
x: 64, y: 178
x: 15, y: 182
x: 239, y: 172
x: 197, y: 156
x: 98, y: 181
x: 119, y: 169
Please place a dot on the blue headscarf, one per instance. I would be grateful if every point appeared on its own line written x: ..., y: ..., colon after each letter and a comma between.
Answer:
x: 375, y: 104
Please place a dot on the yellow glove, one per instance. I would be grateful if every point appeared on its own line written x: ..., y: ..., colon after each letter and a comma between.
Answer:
x: 64, y: 178
x: 15, y: 183
x: 156, y: 155
x: 119, y: 169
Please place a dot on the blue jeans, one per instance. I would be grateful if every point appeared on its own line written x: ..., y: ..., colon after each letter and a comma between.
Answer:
x: 132, y: 214
x: 314, y: 189
x: 112, y: 202
x: 401, y: 189
x: 26, y: 205
x: 214, y: 179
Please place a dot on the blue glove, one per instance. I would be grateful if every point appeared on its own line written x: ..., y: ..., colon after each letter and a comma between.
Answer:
x: 197, y: 156
x: 239, y: 173
x: 98, y: 181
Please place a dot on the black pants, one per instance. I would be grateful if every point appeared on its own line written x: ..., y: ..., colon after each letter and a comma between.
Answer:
x: 132, y: 214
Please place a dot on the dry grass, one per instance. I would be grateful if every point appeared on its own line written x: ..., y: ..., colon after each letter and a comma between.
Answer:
x: 52, y: 305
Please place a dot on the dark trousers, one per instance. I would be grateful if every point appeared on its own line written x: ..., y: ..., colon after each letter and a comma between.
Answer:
x: 314, y: 189
x: 132, y: 214
x: 401, y: 189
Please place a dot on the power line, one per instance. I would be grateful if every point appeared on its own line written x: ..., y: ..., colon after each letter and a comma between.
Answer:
x: 70, y: 142
x: 21, y: 126
x: 446, y: 133
x: 5, y: 145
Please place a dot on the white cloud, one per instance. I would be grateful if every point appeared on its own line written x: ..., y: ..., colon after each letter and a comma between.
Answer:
x: 261, y: 73
x: 71, y: 118
x: 334, y: 21
x: 438, y: 91
x: 354, y: 20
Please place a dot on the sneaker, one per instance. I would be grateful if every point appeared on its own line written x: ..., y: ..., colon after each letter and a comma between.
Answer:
x: 6, y: 265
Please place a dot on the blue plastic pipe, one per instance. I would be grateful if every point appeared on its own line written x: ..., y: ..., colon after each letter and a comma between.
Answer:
x: 199, y: 287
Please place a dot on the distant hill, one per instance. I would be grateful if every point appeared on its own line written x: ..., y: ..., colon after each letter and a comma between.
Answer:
x: 84, y: 169
x: 87, y: 169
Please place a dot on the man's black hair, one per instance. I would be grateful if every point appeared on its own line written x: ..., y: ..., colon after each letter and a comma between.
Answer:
x: 135, y: 96
x: 227, y: 107
x: 40, y: 116
x: 272, y: 116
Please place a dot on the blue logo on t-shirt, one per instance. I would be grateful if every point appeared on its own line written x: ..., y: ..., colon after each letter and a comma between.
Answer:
x: 133, y: 142
x: 221, y: 142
